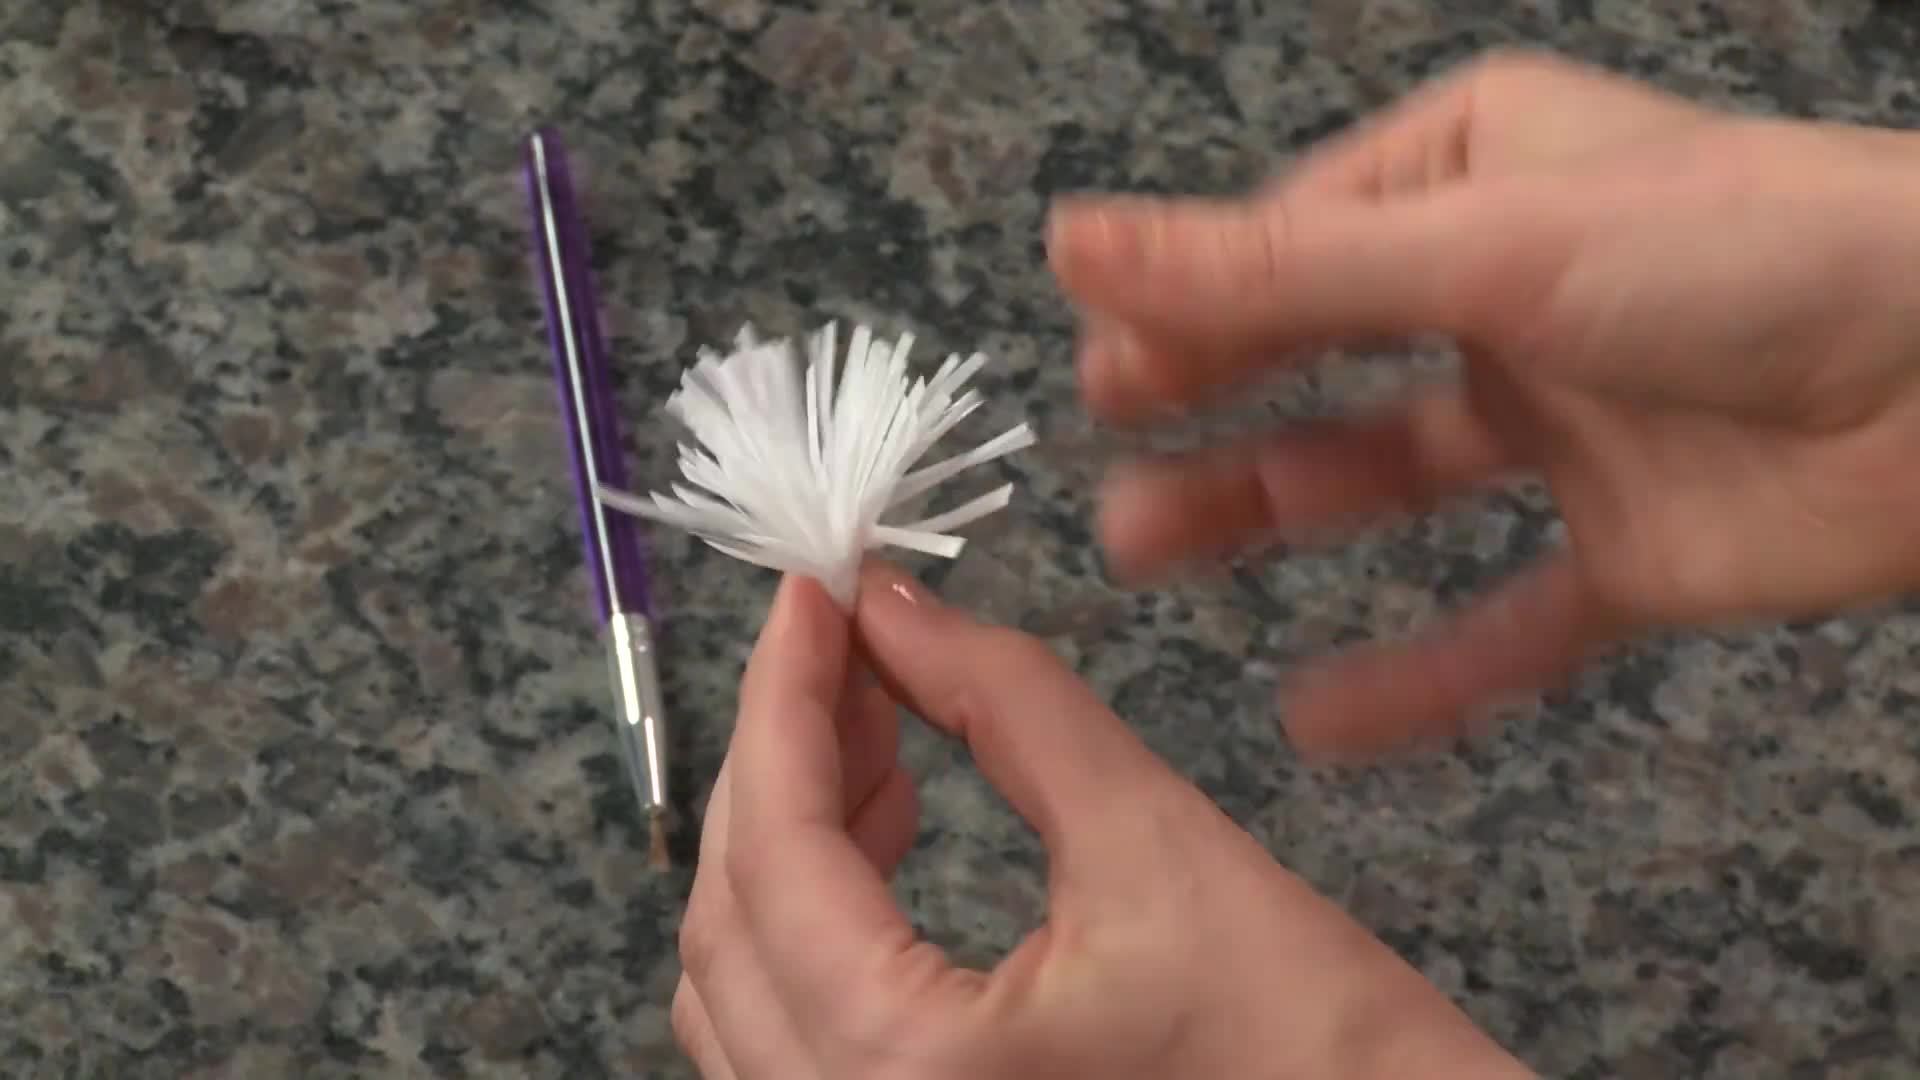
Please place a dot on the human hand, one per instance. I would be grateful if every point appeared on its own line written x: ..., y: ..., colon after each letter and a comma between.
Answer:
x: 1173, y: 945
x: 1698, y: 328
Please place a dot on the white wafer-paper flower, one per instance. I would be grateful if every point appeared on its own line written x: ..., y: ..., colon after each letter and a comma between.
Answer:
x: 797, y: 468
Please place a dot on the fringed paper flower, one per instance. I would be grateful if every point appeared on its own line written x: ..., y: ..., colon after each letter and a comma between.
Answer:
x: 797, y: 468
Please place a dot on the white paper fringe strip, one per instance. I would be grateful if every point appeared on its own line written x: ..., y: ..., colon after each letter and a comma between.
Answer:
x: 796, y: 468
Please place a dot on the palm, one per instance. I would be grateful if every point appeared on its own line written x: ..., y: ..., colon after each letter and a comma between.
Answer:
x: 1689, y: 514
x: 1668, y: 512
x: 1692, y: 326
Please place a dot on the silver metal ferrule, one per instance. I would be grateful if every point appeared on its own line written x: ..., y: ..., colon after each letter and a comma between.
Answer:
x: 641, y: 722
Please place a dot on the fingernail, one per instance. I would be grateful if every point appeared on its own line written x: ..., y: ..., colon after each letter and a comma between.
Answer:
x: 1301, y: 722
x: 1112, y: 235
x: 1059, y: 225
x: 1110, y: 345
x: 1065, y: 233
x: 1091, y: 228
x: 1100, y: 383
x: 897, y: 586
x: 1125, y: 492
x: 1127, y: 359
x: 1119, y: 380
x: 1125, y: 516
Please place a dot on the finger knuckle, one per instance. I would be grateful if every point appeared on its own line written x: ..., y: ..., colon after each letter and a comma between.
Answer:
x: 873, y: 1028
x: 1276, y: 237
x: 683, y: 1019
x: 688, y: 1023
x: 879, y: 1030
x: 699, y: 943
x: 971, y: 701
x: 1692, y: 578
x: 749, y: 871
x: 1014, y: 651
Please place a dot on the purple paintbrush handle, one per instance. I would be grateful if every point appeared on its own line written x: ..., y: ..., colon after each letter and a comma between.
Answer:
x: 615, y: 549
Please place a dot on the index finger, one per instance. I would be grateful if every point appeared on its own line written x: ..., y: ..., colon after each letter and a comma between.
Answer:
x: 822, y: 919
x: 1279, y: 273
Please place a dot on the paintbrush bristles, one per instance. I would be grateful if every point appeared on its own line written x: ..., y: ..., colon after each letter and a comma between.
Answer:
x: 797, y: 463
x: 658, y: 857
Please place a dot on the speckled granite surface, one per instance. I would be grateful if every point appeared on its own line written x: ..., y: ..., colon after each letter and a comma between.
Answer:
x: 303, y: 764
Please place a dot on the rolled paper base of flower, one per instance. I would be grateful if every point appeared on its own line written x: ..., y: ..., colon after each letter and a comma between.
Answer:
x: 795, y: 468
x: 843, y: 585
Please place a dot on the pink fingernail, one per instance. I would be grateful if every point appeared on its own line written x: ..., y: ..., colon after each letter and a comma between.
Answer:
x: 897, y: 582
x: 1077, y: 231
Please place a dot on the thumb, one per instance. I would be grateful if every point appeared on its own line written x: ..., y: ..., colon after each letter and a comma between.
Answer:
x: 1281, y: 272
x: 1068, y: 765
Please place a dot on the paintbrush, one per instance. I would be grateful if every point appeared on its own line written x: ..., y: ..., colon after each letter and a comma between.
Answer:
x: 615, y: 549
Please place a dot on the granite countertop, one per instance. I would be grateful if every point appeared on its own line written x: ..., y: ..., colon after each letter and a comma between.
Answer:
x: 304, y: 761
